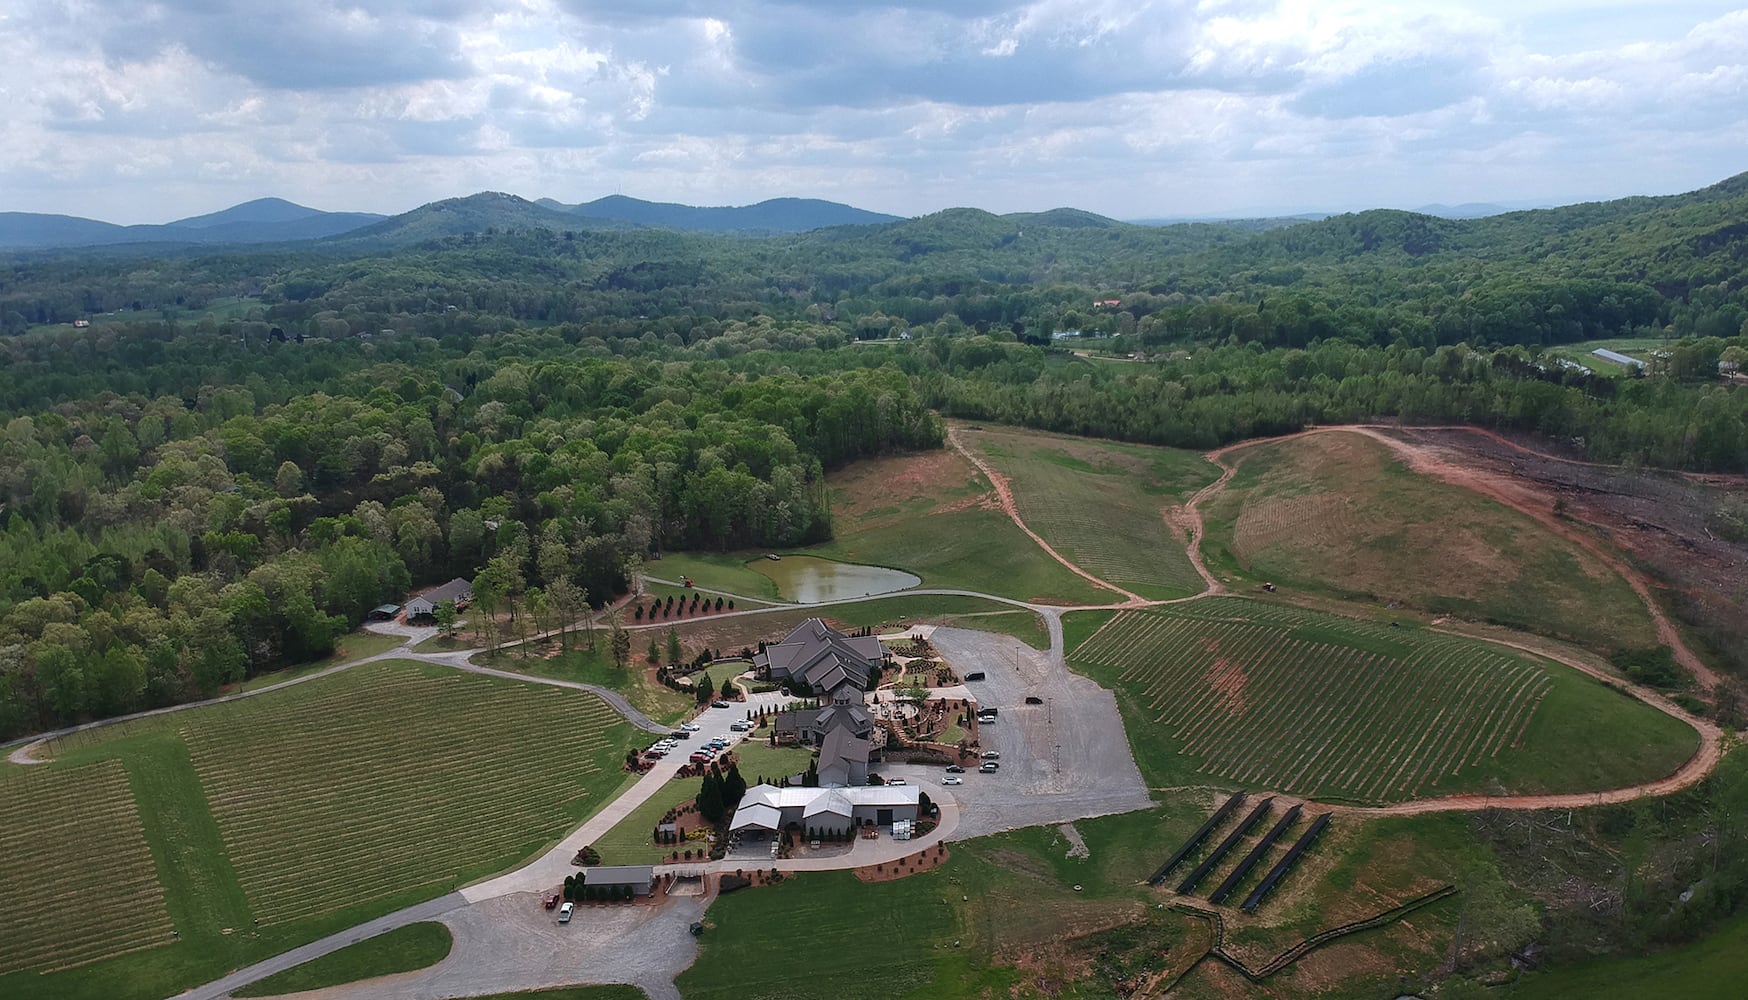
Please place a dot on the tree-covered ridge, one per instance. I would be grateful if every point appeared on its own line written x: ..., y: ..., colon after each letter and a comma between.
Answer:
x: 155, y: 548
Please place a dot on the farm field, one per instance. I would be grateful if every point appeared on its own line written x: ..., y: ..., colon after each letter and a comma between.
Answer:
x: 58, y: 830
x: 1103, y: 506
x: 584, y: 666
x: 1711, y: 969
x: 277, y: 819
x: 1242, y: 693
x: 1335, y: 513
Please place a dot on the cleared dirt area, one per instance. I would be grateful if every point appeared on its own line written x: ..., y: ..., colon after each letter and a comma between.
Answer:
x: 1689, y: 533
x: 1343, y: 511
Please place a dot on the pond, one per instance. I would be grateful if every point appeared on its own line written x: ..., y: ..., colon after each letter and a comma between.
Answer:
x: 810, y: 580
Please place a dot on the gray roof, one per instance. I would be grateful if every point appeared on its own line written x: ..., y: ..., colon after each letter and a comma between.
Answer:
x: 620, y: 874
x: 822, y: 656
x: 842, y: 745
x: 452, y: 591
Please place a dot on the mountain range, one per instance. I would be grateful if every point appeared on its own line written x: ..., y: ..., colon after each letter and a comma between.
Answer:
x: 274, y: 220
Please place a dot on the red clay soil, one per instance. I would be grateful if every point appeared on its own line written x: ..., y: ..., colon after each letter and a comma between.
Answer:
x: 1006, y: 496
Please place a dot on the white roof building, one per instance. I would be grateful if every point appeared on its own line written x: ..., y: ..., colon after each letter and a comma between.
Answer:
x: 769, y: 809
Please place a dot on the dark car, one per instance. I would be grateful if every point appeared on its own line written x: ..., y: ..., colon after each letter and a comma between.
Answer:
x: 975, y: 675
x: 1033, y: 699
x: 955, y: 769
x: 719, y: 704
x: 552, y: 901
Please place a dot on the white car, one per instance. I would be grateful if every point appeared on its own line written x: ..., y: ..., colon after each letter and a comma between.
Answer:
x: 895, y: 781
x: 952, y: 779
x: 564, y: 912
x: 690, y: 727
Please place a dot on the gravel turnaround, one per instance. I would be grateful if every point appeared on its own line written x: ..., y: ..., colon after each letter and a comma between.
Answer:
x: 1063, y: 760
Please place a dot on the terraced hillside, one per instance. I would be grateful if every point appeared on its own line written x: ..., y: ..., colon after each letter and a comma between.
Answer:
x: 1239, y: 692
x: 1108, y: 508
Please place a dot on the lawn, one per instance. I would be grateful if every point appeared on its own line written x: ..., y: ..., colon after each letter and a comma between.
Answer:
x: 1337, y: 514
x: 1240, y: 693
x: 1103, y: 506
x: 636, y: 683
x: 727, y: 573
x: 279, y: 819
x: 404, y: 949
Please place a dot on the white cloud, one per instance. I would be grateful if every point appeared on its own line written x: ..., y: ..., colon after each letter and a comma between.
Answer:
x: 139, y: 111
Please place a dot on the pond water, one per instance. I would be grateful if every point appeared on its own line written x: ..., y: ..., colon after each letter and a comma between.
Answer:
x: 810, y: 580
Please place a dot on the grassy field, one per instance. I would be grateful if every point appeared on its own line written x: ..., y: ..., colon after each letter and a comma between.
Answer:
x: 728, y: 573
x: 1337, y: 514
x: 636, y: 683
x: 1713, y: 969
x: 1102, y: 505
x: 1243, y: 693
x: 404, y: 949
x: 933, y: 515
x: 276, y: 820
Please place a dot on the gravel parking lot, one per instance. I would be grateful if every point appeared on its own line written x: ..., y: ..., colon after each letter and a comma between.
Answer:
x: 1065, y: 759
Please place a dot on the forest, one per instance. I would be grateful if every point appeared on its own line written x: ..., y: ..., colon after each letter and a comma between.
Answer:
x: 236, y: 454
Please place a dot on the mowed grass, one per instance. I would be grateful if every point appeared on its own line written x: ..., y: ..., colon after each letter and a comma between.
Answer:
x: 1712, y: 969
x: 404, y: 949
x: 77, y: 875
x: 730, y: 634
x: 933, y: 515
x: 351, y: 646
x: 1103, y: 506
x: 956, y: 931
x: 1248, y: 694
x: 730, y: 574
x: 636, y: 682
x: 1336, y: 513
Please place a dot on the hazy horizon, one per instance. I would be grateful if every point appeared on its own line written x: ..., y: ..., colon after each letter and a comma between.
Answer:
x: 135, y: 112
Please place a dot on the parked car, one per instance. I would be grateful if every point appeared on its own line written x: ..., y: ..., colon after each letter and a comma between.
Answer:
x: 975, y: 675
x: 992, y: 713
x: 1033, y: 699
x: 564, y: 912
x: 955, y: 769
x: 895, y: 781
x: 689, y: 727
x: 992, y: 755
x: 989, y: 767
x: 719, y: 704
x: 552, y: 901
x: 952, y: 779
x: 741, y: 726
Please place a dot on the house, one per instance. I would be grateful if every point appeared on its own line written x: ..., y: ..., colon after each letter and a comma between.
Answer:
x: 457, y: 590
x: 766, y: 810
x: 820, y: 659
x: 641, y: 878
x: 843, y: 758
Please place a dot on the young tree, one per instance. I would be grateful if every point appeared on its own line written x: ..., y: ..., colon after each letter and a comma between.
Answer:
x: 565, y: 598
x: 620, y: 640
x: 674, y: 651
x: 447, y: 619
x: 706, y: 689
x: 655, y: 653
x: 728, y: 689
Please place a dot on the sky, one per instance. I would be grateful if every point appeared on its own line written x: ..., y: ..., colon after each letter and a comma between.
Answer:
x: 134, y: 111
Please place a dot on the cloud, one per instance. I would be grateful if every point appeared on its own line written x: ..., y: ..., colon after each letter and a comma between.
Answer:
x: 120, y: 108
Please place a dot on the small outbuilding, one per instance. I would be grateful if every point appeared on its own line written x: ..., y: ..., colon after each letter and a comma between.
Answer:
x: 641, y: 878
x: 383, y: 613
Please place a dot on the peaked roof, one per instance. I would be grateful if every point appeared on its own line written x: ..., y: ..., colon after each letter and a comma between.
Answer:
x: 822, y: 656
x: 453, y: 590
x: 842, y: 745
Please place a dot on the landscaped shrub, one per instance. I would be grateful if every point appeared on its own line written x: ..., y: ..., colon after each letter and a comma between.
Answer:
x: 730, y: 883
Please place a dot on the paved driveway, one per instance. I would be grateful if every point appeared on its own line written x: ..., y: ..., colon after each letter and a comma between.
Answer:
x: 1065, y: 759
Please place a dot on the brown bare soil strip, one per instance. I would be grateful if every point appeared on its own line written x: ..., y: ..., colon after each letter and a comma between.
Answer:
x: 1006, y: 496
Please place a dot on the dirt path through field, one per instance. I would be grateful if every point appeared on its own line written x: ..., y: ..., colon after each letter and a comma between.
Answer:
x: 1432, y: 460
x: 1006, y: 496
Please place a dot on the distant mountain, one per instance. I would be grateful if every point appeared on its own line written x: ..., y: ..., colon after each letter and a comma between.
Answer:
x: 1471, y: 210
x: 265, y: 220
x: 778, y: 215
x: 472, y: 214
